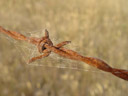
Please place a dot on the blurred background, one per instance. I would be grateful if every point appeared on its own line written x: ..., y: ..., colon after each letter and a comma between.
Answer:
x: 97, y: 28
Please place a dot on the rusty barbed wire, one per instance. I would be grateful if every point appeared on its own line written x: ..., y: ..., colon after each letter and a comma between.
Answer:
x: 45, y: 46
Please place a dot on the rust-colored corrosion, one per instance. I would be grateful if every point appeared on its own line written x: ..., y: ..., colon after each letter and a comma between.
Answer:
x: 45, y: 46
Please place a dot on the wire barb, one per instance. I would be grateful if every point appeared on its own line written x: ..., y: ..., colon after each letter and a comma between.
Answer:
x: 45, y: 46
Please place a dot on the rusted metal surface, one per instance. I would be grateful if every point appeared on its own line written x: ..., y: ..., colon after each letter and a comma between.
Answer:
x: 45, y: 46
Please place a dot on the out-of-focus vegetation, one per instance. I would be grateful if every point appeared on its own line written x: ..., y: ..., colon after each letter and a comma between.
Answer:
x: 97, y: 28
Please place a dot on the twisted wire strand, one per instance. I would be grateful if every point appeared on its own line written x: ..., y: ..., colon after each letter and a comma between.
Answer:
x: 70, y: 54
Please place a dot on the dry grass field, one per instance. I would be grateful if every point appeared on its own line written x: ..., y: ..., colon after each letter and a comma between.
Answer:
x: 97, y: 28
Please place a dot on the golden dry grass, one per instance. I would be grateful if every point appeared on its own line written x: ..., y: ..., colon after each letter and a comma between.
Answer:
x: 96, y: 28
